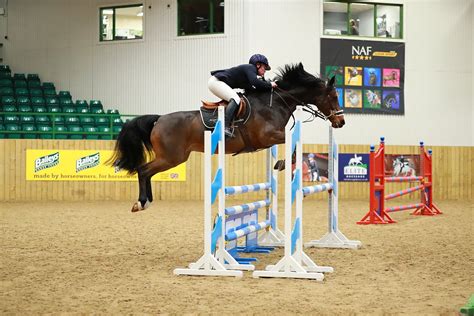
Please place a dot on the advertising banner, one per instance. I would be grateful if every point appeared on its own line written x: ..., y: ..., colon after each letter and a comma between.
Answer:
x: 370, y: 75
x: 84, y: 165
x: 354, y: 167
x: 402, y: 165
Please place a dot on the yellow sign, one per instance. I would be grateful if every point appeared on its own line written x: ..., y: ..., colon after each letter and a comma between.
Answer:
x: 385, y: 54
x: 84, y: 165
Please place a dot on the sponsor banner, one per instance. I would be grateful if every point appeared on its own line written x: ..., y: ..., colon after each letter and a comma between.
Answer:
x: 369, y: 75
x: 402, y: 165
x: 315, y: 167
x: 84, y: 165
x: 354, y: 167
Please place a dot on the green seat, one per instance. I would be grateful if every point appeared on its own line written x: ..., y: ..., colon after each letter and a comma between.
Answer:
x: 54, y: 109
x: 102, y: 121
x: 2, y: 131
x: 117, y: 121
x: 49, y: 92
x: 37, y: 101
x: 6, y: 83
x: 112, y: 111
x: 86, y: 121
x: 29, y: 128
x: 23, y: 101
x: 34, y: 84
x: 5, y: 75
x: 6, y: 91
x: 75, y: 129
x: 40, y: 109
x: 116, y: 130
x: 51, y: 101
x: 24, y: 108
x: 65, y: 94
x: 48, y: 85
x: 10, y: 119
x: 35, y: 92
x: 69, y: 109
x: 58, y: 130
x: 32, y: 77
x: 81, y: 104
x: 9, y: 108
x: 65, y: 102
x: 97, y: 111
x: 105, y: 129
x: 5, y: 68
x: 20, y: 84
x: 91, y: 132
x: 71, y: 120
x: 8, y: 100
x: 46, y: 132
x: 22, y: 92
x: 83, y: 110
x: 42, y: 120
x: 19, y: 76
x: 27, y: 119
x: 12, y: 130
x: 58, y: 120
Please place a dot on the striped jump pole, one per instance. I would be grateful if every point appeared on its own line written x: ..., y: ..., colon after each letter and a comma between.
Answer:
x: 403, y: 179
x: 334, y: 238
x: 295, y: 263
x: 404, y: 192
x: 216, y: 261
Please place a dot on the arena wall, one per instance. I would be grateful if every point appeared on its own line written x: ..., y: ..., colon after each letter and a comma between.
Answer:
x: 453, y: 177
x: 58, y: 39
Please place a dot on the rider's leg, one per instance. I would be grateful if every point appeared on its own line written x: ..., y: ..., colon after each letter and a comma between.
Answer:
x: 223, y: 91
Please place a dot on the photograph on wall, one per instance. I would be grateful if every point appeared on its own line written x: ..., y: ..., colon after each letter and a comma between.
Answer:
x: 391, y: 77
x: 353, y: 98
x: 354, y: 167
x: 372, y: 99
x: 391, y: 99
x: 372, y: 77
x: 315, y: 167
x: 337, y: 72
x: 372, y: 71
x: 397, y: 165
x: 353, y: 76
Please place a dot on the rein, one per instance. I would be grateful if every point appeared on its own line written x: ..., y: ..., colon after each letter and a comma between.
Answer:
x: 306, y: 107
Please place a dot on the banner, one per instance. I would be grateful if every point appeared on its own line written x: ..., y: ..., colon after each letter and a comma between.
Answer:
x: 84, y: 165
x: 397, y: 165
x: 370, y: 75
x: 354, y: 167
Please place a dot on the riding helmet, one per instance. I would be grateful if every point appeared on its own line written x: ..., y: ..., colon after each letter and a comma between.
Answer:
x: 259, y: 58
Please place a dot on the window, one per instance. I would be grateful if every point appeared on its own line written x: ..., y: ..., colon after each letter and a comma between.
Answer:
x: 121, y: 23
x: 200, y: 17
x: 351, y: 18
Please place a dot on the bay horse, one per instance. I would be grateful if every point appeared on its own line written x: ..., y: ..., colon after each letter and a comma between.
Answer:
x: 172, y: 137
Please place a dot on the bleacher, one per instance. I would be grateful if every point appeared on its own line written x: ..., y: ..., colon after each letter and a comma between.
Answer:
x: 30, y: 109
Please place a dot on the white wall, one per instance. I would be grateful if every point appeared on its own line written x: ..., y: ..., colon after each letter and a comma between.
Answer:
x: 163, y: 73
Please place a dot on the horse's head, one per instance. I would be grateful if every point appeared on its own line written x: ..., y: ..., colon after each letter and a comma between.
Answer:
x: 328, y: 104
x: 309, y: 89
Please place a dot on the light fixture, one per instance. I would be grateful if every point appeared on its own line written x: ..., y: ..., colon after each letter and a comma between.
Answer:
x: 108, y: 11
x: 140, y: 14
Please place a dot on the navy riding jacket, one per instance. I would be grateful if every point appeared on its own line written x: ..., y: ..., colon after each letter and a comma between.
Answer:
x: 242, y: 77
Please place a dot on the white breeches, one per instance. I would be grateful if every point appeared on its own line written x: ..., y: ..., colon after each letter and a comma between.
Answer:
x: 222, y: 90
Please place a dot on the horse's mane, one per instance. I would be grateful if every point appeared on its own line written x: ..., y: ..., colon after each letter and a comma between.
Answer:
x: 292, y: 75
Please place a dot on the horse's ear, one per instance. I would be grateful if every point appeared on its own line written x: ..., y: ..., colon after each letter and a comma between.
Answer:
x: 300, y: 66
x: 331, y: 81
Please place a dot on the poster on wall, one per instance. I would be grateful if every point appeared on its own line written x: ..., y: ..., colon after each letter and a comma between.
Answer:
x: 84, y: 165
x: 397, y: 165
x: 369, y: 74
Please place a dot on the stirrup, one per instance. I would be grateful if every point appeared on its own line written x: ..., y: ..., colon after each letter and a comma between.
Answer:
x: 229, y: 132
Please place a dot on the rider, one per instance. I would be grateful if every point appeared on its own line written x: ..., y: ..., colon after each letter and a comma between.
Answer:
x: 222, y: 83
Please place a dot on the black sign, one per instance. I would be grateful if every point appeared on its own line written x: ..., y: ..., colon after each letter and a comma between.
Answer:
x: 369, y: 74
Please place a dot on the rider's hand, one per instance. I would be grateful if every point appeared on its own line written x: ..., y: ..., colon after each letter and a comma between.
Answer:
x: 274, y: 84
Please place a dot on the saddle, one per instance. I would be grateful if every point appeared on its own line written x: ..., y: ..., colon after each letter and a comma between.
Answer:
x: 208, y: 112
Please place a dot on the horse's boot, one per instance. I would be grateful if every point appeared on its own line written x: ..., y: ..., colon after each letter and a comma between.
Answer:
x: 230, y: 111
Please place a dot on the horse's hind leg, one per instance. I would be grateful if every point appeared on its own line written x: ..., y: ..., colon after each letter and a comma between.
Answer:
x: 145, y: 172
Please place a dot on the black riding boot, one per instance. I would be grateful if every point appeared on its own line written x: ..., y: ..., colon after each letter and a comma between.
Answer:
x: 230, y: 111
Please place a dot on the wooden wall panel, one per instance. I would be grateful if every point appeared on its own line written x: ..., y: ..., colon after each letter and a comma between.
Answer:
x: 453, y: 176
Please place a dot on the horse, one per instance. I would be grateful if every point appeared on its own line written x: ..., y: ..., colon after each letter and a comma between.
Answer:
x: 402, y: 168
x: 172, y: 137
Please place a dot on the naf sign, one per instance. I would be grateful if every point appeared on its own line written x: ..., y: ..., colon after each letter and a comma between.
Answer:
x: 354, y: 167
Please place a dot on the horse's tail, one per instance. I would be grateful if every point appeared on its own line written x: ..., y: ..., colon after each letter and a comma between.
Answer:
x: 133, y: 143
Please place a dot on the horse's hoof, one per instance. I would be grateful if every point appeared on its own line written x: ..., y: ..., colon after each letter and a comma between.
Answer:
x: 136, y: 207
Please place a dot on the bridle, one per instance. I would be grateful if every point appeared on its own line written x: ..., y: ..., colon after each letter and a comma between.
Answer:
x: 315, y: 112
